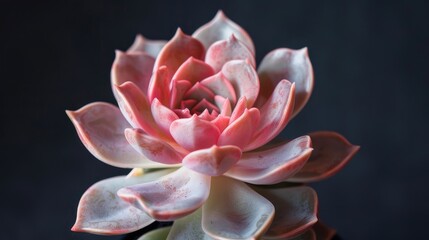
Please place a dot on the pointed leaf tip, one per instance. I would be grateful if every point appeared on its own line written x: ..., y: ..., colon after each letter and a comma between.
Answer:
x: 135, y: 67
x: 213, y: 161
x: 148, y: 46
x: 194, y: 133
x: 221, y: 28
x: 226, y: 50
x: 220, y: 14
x: 178, y: 50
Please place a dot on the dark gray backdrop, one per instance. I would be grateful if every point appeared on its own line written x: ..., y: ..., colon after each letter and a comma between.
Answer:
x: 371, y: 68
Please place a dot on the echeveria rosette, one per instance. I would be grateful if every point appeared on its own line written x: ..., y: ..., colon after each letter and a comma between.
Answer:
x: 197, y: 107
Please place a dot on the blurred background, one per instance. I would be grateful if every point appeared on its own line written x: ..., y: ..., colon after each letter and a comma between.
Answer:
x: 371, y: 67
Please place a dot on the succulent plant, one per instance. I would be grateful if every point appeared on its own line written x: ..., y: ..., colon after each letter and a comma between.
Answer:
x: 195, y: 123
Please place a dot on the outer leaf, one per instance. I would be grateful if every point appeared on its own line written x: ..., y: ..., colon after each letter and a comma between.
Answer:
x: 235, y: 211
x: 331, y: 153
x: 171, y: 197
x: 188, y: 227
x: 101, y: 211
x: 100, y: 127
x: 296, y: 210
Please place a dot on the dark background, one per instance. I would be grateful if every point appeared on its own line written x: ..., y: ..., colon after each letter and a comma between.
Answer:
x: 371, y: 68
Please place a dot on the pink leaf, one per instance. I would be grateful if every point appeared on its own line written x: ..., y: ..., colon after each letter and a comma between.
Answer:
x: 183, y: 113
x: 226, y: 50
x: 293, y: 65
x: 154, y: 149
x: 243, y: 78
x: 101, y: 211
x: 178, y: 50
x: 158, y: 86
x: 163, y: 116
x: 193, y: 70
x: 220, y: 86
x: 296, y: 210
x: 212, y: 161
x: 205, y: 115
x: 135, y: 67
x: 273, y: 165
x: 194, y: 133
x: 136, y: 108
x: 239, y: 132
x: 188, y: 104
x: 331, y: 153
x: 199, y: 92
x: 221, y: 122
x: 275, y: 114
x: 235, y: 211
x: 100, y: 127
x: 239, y: 109
x: 225, y: 106
x: 204, y: 105
x: 221, y: 28
x: 151, y: 47
x: 170, y: 197
x: 178, y: 90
